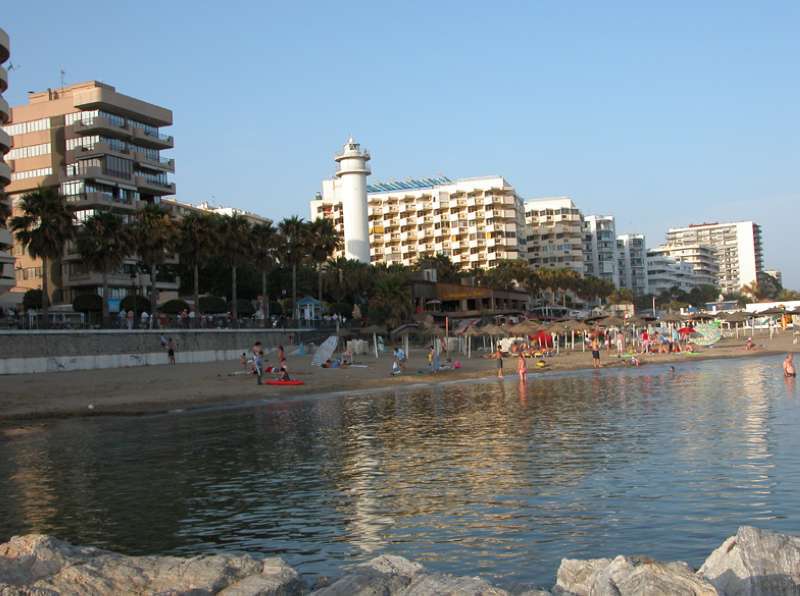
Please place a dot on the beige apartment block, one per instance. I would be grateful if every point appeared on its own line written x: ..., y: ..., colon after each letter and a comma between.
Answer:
x: 102, y: 151
x: 702, y: 258
x: 555, y: 234
x: 476, y: 222
x: 6, y: 260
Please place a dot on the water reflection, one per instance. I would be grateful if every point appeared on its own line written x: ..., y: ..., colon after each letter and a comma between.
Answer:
x: 501, y: 479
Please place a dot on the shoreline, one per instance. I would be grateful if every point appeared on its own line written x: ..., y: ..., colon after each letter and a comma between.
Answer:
x: 162, y: 389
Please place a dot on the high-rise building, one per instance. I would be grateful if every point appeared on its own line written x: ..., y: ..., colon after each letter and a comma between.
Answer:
x: 555, y: 234
x: 702, y: 258
x: 600, y: 248
x: 102, y: 151
x: 476, y: 222
x: 632, y: 263
x: 6, y: 260
x: 664, y: 273
x: 737, y: 247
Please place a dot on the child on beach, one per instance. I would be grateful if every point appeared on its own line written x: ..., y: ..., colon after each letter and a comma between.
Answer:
x: 498, y: 355
x: 522, y: 368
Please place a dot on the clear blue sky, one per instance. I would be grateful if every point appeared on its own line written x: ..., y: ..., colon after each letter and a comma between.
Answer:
x: 661, y: 114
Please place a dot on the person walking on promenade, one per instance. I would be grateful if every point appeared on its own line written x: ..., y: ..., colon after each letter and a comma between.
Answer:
x: 522, y: 368
x: 129, y: 316
x: 595, y: 352
x: 645, y: 342
x: 281, y: 357
x: 171, y: 347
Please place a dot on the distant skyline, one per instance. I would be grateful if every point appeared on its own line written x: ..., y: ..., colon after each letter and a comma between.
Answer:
x: 661, y: 115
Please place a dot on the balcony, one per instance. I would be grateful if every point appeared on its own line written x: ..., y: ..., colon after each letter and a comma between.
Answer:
x: 154, y: 140
x: 3, y: 110
x: 164, y: 164
x: 98, y: 199
x: 5, y: 173
x: 3, y: 79
x: 101, y: 125
x: 147, y: 185
x: 5, y: 142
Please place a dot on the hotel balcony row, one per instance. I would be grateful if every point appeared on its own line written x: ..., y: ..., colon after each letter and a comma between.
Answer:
x: 162, y: 164
x: 143, y: 183
x: 103, y: 125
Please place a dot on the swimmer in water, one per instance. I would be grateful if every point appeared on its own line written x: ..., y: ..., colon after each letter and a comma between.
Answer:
x: 788, y: 366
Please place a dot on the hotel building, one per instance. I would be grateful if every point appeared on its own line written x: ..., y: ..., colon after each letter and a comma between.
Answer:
x: 665, y: 273
x: 476, y: 222
x: 600, y: 248
x: 554, y: 234
x: 737, y: 247
x: 102, y: 151
x: 632, y: 263
x: 701, y: 257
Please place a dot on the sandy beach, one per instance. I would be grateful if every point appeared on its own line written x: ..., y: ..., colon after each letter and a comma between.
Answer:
x: 152, y: 389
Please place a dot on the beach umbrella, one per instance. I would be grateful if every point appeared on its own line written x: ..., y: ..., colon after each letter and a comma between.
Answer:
x: 772, y: 312
x: 611, y: 322
x: 469, y: 334
x: 671, y: 319
x: 493, y: 331
x: 686, y: 331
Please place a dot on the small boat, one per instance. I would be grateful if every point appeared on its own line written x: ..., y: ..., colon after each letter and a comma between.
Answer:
x: 280, y: 382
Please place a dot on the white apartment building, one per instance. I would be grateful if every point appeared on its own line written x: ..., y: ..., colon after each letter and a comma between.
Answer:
x: 6, y: 260
x: 702, y: 258
x: 665, y: 273
x: 632, y: 263
x: 737, y: 247
x: 600, y: 248
x: 555, y: 234
x: 476, y: 222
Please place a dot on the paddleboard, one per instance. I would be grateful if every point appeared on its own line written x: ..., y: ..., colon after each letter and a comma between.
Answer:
x: 279, y: 382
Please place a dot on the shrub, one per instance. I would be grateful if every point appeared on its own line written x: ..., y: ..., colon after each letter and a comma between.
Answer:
x: 173, y: 307
x: 32, y: 300
x: 212, y: 305
x: 87, y: 303
x: 136, y: 303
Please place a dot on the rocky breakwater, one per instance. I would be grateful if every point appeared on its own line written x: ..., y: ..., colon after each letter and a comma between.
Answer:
x: 752, y: 562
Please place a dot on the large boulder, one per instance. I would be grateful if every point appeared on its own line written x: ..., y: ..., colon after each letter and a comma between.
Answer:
x: 625, y: 576
x: 755, y: 562
x: 440, y: 584
x: 38, y: 564
x: 384, y: 575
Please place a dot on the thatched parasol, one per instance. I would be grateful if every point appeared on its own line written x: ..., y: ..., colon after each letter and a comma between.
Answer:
x: 493, y: 330
x: 375, y: 330
x: 670, y: 319
x: 611, y: 322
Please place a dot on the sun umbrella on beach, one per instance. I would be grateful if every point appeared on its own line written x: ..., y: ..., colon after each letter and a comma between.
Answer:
x: 469, y: 334
x: 670, y: 319
x: 686, y: 331
x: 374, y: 330
x: 611, y: 322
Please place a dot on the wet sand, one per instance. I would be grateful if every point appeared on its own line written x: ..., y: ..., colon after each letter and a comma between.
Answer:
x: 152, y: 389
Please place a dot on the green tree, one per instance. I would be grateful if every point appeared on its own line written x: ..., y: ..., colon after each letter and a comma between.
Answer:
x: 264, y: 242
x: 32, y: 300
x: 324, y: 241
x: 294, y: 249
x: 154, y: 238
x: 237, y: 246
x: 390, y: 302
x: 197, y: 241
x: 104, y: 241
x: 446, y: 270
x: 508, y: 274
x: 621, y: 296
x: 44, y: 228
x: 5, y: 214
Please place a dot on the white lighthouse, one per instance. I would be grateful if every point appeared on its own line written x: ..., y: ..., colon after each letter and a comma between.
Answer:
x: 351, y: 189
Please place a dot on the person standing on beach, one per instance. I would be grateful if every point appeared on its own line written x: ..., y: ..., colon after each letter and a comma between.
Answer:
x: 788, y: 366
x: 171, y: 347
x: 522, y: 368
x: 620, y: 343
x: 258, y: 361
x: 282, y: 357
x: 595, y: 352
x: 498, y: 355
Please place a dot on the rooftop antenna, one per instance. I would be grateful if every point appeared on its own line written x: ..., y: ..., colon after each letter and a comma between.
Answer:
x: 63, y: 73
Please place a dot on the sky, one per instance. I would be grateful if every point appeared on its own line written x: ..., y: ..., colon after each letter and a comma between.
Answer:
x: 661, y: 114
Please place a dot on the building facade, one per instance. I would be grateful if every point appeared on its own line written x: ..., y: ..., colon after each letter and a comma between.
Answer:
x: 600, y: 248
x: 554, y: 234
x: 632, y: 263
x: 476, y: 222
x: 6, y: 260
x: 702, y: 258
x: 664, y: 273
x: 102, y: 151
x: 737, y: 247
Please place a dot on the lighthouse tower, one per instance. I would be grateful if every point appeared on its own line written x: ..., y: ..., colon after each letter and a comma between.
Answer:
x: 351, y: 173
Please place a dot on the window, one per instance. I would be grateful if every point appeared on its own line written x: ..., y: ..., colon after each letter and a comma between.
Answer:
x: 25, y: 127
x: 27, y: 273
x: 30, y: 151
x: 31, y: 173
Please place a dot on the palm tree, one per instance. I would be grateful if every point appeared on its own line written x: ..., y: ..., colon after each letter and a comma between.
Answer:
x: 390, y: 303
x: 294, y: 243
x: 264, y: 242
x: 324, y: 242
x: 5, y: 213
x: 198, y: 235
x: 103, y: 241
x: 237, y: 250
x: 154, y: 237
x: 44, y: 228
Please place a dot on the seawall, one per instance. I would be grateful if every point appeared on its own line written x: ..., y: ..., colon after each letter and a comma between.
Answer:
x: 56, y: 350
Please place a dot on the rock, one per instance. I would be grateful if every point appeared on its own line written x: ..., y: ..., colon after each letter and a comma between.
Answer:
x: 384, y: 575
x: 38, y: 564
x: 440, y: 584
x: 755, y: 562
x: 625, y: 576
